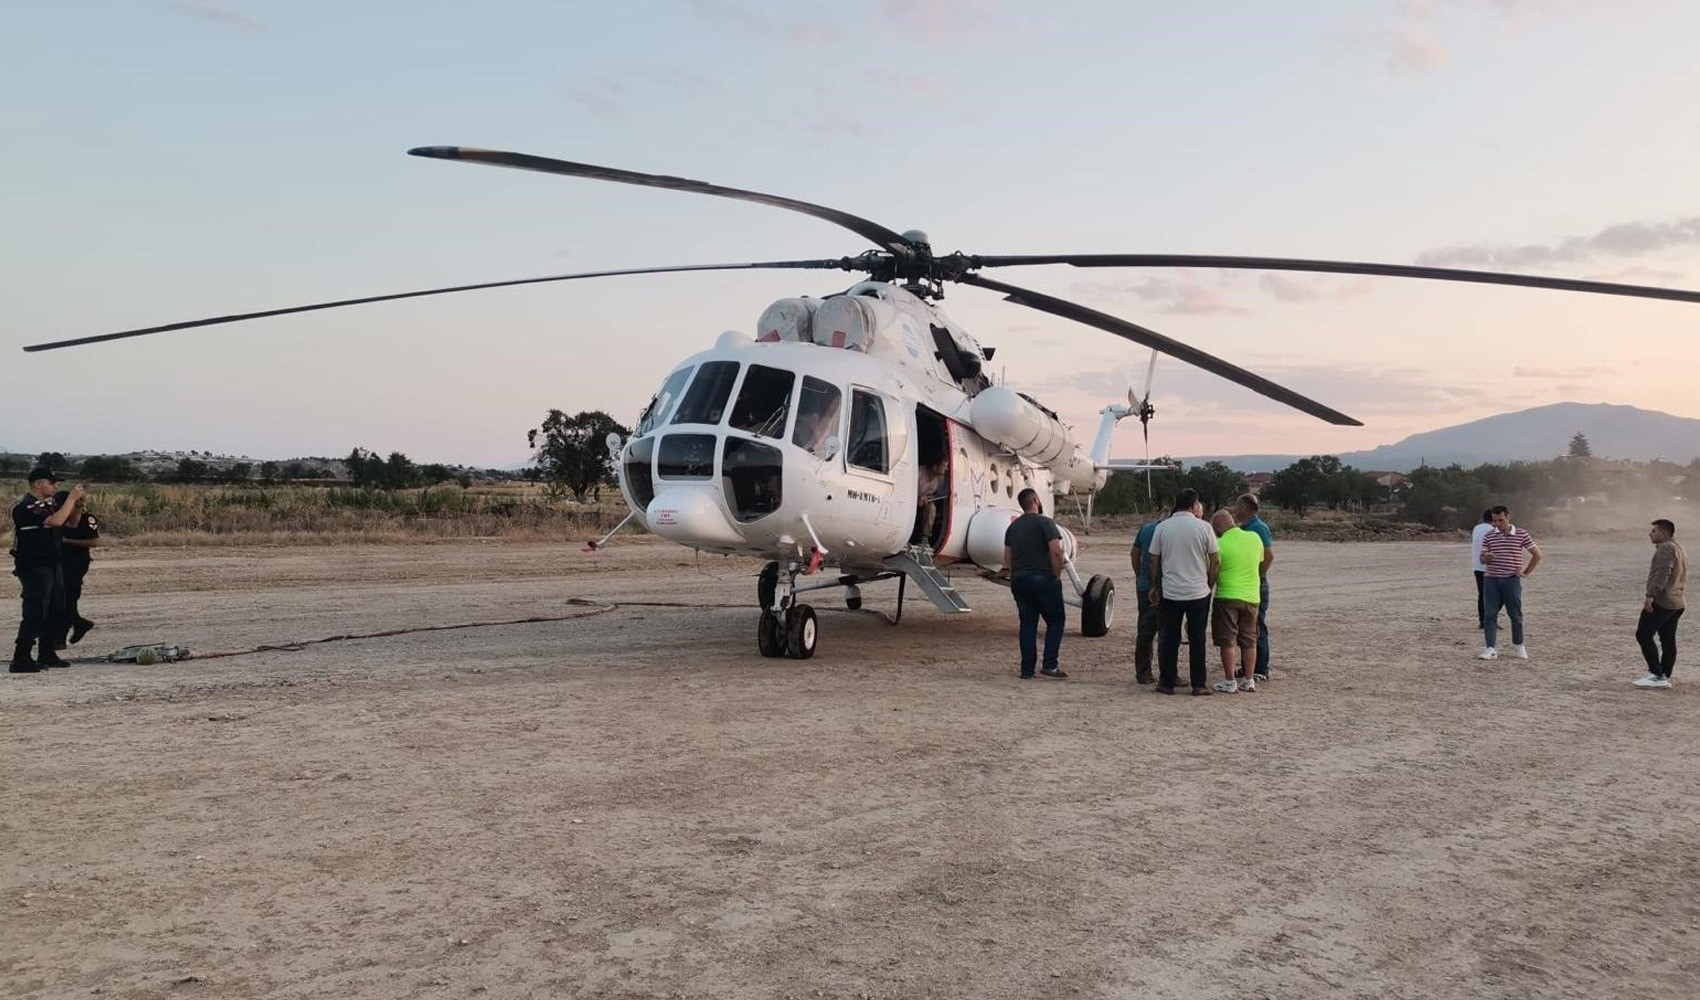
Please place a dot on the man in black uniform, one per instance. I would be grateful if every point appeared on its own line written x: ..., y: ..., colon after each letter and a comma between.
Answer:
x: 1033, y: 554
x: 80, y: 534
x: 35, y: 562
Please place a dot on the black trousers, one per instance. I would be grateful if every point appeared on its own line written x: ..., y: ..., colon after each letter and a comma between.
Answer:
x: 1197, y: 616
x: 1481, y: 602
x: 42, y: 596
x: 71, y: 580
x: 1659, y: 623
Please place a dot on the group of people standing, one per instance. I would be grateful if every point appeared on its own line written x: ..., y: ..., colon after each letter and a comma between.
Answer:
x: 1191, y: 574
x: 52, y: 535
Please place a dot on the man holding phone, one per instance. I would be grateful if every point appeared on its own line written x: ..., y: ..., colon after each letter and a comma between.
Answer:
x: 36, y: 521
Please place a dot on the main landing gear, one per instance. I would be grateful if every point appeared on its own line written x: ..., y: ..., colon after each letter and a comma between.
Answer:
x: 786, y: 627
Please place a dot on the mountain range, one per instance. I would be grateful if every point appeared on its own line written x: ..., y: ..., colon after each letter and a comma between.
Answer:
x: 1533, y: 435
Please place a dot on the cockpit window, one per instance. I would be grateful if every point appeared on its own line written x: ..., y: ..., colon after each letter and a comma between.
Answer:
x: 764, y: 402
x: 867, y: 432
x: 817, y: 415
x: 705, y: 401
x: 655, y: 414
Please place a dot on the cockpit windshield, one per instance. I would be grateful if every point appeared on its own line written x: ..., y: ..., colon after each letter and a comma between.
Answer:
x: 764, y: 402
x: 705, y: 400
x: 655, y: 414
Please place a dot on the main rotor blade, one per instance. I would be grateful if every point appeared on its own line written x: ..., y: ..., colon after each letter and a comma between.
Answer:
x: 840, y: 264
x: 881, y: 236
x: 1167, y: 345
x: 1342, y: 267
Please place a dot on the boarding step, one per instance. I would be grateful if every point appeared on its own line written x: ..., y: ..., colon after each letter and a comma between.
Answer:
x: 917, y: 564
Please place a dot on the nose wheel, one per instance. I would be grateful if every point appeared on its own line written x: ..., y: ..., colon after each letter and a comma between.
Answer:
x: 785, y: 629
x: 791, y: 633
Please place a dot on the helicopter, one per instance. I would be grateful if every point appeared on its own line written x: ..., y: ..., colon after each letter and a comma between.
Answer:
x: 856, y: 437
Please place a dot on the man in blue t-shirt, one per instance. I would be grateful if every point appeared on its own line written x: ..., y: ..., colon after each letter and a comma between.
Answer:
x: 1144, y: 642
x: 1245, y: 515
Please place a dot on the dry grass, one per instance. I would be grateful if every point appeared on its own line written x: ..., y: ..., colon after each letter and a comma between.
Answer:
x: 148, y: 514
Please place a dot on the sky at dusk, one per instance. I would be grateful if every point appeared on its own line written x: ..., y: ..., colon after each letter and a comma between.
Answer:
x: 171, y: 160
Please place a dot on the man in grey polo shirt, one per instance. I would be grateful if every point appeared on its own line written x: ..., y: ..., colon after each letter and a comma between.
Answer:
x: 1186, y: 557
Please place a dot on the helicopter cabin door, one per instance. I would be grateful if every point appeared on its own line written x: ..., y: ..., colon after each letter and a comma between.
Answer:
x: 879, y: 468
x: 933, y: 479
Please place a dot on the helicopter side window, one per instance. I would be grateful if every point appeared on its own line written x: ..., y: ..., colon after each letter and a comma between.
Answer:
x: 764, y: 402
x: 705, y: 401
x: 817, y: 415
x: 867, y: 432
x: 655, y: 414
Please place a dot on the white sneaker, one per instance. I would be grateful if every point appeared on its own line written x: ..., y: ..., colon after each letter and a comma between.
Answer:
x: 1225, y: 687
x: 1488, y: 654
x: 1520, y: 651
x: 1248, y: 684
x: 1649, y: 680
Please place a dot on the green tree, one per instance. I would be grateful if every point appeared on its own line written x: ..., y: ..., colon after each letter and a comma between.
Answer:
x: 400, y: 472
x: 53, y: 460
x: 572, y: 452
x: 1217, y: 485
x: 1303, y: 484
x: 1579, y: 447
x: 1446, y: 498
x: 239, y: 472
x: 190, y: 470
x: 110, y: 469
x: 268, y: 472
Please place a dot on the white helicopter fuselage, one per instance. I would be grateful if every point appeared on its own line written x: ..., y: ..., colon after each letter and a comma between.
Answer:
x: 808, y: 443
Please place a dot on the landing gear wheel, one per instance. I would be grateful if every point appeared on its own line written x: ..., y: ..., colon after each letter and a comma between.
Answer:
x: 770, y: 634
x: 1098, y: 606
x: 801, y: 630
x: 767, y: 584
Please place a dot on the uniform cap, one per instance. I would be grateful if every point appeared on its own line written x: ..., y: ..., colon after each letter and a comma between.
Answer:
x: 41, y: 472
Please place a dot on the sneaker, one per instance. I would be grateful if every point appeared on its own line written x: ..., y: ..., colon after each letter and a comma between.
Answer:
x: 1248, y: 684
x: 1648, y: 681
x: 1260, y: 677
x: 1165, y: 689
x: 1054, y: 672
x: 1139, y: 678
x: 1225, y: 687
x: 1520, y: 651
x: 1663, y: 684
x: 1196, y: 692
x: 1488, y: 654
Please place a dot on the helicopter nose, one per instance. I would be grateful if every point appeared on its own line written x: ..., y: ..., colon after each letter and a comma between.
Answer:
x: 691, y: 516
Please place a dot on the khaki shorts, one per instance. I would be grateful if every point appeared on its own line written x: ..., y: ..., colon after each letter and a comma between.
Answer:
x: 1233, y: 623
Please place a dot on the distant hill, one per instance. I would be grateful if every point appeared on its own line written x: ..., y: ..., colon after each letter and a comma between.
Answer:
x: 1532, y: 435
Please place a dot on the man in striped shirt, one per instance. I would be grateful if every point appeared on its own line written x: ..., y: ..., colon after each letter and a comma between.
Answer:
x: 1502, y: 580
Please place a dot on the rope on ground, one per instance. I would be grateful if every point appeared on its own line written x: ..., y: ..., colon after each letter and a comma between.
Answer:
x: 596, y: 608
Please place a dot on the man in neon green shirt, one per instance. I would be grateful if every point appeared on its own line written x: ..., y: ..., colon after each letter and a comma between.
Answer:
x: 1233, y: 616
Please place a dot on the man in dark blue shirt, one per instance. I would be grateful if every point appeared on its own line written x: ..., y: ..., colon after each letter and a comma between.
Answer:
x: 1149, y: 618
x: 1033, y: 554
x: 36, y: 520
x: 1245, y: 515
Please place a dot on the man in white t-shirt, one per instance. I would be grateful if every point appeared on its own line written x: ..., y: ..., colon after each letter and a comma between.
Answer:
x: 1476, y: 535
x: 1186, y: 557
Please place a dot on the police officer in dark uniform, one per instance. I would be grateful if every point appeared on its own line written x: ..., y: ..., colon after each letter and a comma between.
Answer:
x: 35, y: 562
x: 80, y: 534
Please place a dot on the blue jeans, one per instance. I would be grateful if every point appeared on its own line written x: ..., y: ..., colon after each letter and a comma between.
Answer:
x: 1502, y: 592
x: 1038, y: 595
x: 1262, y: 668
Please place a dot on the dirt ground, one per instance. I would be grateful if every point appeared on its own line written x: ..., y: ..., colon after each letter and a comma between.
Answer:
x: 628, y: 801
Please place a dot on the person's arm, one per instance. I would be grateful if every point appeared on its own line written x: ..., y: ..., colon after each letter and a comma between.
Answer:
x: 1008, y: 561
x: 1268, y: 560
x: 1534, y: 559
x: 1659, y: 575
x: 1057, y: 557
x: 1138, y: 557
x: 1215, y: 568
x: 58, y: 518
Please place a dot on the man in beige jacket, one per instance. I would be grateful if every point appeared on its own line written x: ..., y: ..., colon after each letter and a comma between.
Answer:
x: 1663, y: 605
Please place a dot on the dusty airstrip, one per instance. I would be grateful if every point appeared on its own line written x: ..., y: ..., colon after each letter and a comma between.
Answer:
x: 626, y: 801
